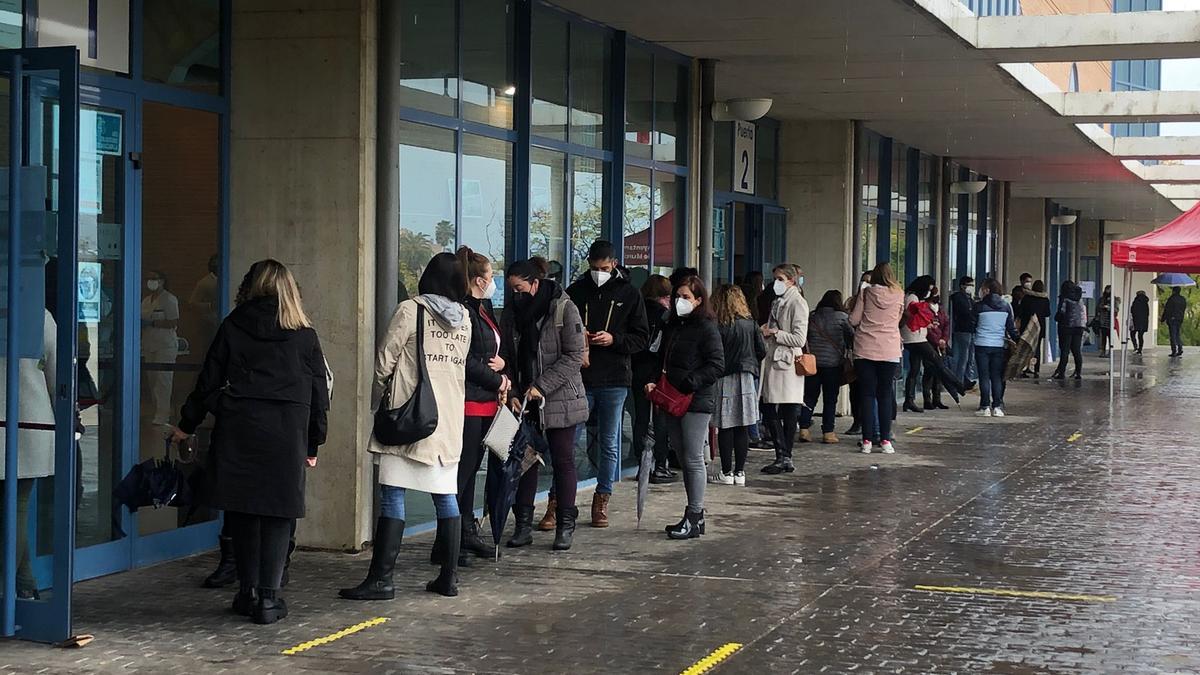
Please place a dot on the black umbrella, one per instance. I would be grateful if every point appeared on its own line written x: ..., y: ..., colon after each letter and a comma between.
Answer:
x: 156, y: 482
x: 500, y: 489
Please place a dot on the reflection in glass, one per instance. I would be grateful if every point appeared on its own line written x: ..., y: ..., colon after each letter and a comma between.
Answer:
x: 427, y: 200
x: 488, y: 81
x: 487, y: 198
x: 589, y: 86
x: 670, y: 219
x: 549, y: 54
x: 182, y: 43
x: 670, y: 111
x: 587, y: 209
x: 547, y: 198
x: 428, y: 76
x: 638, y: 217
x: 639, y: 107
x: 723, y: 157
x: 180, y: 236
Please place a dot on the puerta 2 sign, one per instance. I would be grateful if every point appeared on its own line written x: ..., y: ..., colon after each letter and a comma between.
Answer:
x: 743, y: 157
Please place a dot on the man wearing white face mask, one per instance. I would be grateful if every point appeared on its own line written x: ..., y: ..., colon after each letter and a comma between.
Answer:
x: 614, y: 318
x: 786, y: 333
x: 962, y: 313
x: 160, y: 345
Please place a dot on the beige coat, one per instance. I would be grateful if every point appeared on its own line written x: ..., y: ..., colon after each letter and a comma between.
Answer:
x: 446, y: 350
x: 35, y: 447
x: 789, y: 315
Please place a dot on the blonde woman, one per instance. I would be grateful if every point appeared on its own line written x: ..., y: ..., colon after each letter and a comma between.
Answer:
x: 877, y: 350
x: 736, y: 409
x: 786, y: 333
x: 264, y: 379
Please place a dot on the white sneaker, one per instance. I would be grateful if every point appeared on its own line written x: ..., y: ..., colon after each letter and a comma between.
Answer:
x: 887, y: 448
x: 997, y: 412
x: 720, y: 478
x: 739, y: 478
x: 983, y: 412
x: 865, y: 446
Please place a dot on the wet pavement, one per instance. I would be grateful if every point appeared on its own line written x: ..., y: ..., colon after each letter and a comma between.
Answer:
x: 1060, y: 539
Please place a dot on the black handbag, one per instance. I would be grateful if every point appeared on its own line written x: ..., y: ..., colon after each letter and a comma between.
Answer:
x: 418, y: 417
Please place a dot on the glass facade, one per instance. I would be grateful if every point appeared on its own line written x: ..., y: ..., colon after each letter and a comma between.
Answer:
x: 1141, y: 75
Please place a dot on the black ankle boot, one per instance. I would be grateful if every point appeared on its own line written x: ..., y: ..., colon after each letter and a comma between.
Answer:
x: 449, y: 530
x: 245, y: 600
x: 270, y: 607
x: 564, y: 533
x: 523, y: 530
x: 226, y: 572
x: 690, y: 527
x: 473, y: 542
x: 378, y: 584
x: 910, y: 406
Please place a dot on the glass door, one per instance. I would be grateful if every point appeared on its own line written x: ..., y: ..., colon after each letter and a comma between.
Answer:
x: 40, y: 100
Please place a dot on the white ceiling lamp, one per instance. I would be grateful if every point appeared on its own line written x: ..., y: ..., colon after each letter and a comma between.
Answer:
x: 743, y: 109
x: 1068, y: 219
x: 967, y: 187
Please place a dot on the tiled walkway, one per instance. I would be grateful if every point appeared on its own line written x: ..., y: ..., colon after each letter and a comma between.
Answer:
x: 1062, y: 538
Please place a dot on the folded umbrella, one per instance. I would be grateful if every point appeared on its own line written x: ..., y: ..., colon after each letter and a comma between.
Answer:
x: 500, y: 488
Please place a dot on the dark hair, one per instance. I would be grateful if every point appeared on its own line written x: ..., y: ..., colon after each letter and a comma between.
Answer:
x: 966, y: 281
x: 679, y: 274
x: 528, y: 270
x: 601, y: 250
x: 696, y: 286
x: 214, y: 263
x: 1039, y: 286
x: 832, y: 299
x: 993, y: 286
x: 1024, y: 276
x: 920, y: 286
x: 473, y: 265
x: 656, y: 286
x: 541, y: 265
x: 935, y: 293
x: 443, y: 276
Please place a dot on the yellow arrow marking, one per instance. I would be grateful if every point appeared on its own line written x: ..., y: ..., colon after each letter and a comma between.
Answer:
x: 709, y: 662
x: 914, y: 430
x: 1005, y: 592
x: 1074, y: 437
x: 305, y: 646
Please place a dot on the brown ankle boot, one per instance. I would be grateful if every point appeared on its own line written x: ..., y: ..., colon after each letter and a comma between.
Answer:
x: 549, y: 521
x: 599, y: 510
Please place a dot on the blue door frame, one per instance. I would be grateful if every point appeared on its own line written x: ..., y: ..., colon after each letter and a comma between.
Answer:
x: 48, y: 618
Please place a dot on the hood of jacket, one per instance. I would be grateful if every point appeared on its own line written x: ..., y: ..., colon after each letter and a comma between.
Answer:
x: 881, y: 297
x: 1076, y: 293
x: 993, y: 301
x: 259, y: 318
x: 448, y: 312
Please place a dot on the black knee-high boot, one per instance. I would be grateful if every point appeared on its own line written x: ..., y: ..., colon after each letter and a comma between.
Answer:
x: 449, y: 536
x: 378, y: 584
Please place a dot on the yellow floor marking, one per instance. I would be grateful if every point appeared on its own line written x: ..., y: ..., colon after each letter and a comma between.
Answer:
x: 1043, y: 595
x: 915, y: 430
x: 1074, y: 437
x: 305, y: 646
x: 709, y: 662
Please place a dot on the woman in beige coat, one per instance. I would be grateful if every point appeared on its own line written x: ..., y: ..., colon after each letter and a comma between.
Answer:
x: 430, y: 464
x: 786, y: 333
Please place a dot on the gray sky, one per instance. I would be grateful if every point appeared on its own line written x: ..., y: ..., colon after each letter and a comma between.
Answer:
x: 1181, y: 75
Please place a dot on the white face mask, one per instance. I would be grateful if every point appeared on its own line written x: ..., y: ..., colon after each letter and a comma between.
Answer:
x: 683, y: 306
x: 601, y: 277
x: 970, y: 290
x: 864, y: 285
x: 780, y: 287
x: 1028, y: 284
x: 933, y: 306
x: 153, y: 284
x: 489, y: 291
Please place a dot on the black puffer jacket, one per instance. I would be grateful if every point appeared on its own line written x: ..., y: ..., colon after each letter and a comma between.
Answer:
x: 647, y: 365
x: 744, y: 347
x: 616, y: 308
x: 483, y: 383
x: 695, y: 360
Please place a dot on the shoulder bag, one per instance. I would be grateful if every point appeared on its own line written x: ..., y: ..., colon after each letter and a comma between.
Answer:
x: 417, y: 419
x: 665, y: 396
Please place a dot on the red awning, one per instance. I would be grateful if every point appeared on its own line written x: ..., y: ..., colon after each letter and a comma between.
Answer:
x: 1174, y: 247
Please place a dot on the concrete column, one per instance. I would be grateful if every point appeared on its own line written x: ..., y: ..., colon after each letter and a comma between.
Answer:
x: 303, y: 191
x: 1025, y: 240
x: 816, y: 179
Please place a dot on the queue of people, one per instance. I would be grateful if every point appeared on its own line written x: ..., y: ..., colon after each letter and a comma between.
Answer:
x: 702, y: 370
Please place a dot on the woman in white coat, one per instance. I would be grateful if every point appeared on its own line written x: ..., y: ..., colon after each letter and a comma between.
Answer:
x: 430, y: 464
x: 786, y: 333
x: 35, y: 451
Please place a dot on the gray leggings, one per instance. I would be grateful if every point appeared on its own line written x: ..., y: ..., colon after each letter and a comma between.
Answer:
x: 687, y: 436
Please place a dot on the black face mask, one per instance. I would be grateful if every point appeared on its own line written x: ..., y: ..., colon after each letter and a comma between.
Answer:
x: 521, y: 300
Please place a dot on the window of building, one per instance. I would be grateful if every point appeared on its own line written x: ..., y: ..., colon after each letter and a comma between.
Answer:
x: 547, y: 208
x: 428, y: 46
x: 550, y: 70
x: 639, y: 218
x: 181, y: 44
x: 590, y: 54
x: 428, y: 200
x: 488, y: 78
x: 868, y: 171
x: 898, y: 244
x: 487, y: 197
x: 587, y: 209
x: 670, y: 111
x: 639, y: 103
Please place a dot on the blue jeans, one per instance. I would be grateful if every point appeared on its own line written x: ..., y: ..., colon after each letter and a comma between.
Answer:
x: 391, y: 503
x: 878, y: 403
x: 964, y: 357
x: 991, y: 376
x: 607, y: 405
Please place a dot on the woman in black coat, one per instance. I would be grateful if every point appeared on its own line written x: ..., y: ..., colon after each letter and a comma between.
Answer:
x: 1139, y: 315
x: 693, y: 361
x: 1035, y: 303
x: 264, y: 379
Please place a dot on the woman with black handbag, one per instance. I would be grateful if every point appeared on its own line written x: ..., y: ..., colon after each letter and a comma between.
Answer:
x: 693, y: 361
x: 264, y: 379
x: 543, y: 345
x: 417, y: 438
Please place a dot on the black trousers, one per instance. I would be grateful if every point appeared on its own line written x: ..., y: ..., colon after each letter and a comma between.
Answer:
x: 1070, y: 341
x: 929, y: 359
x: 474, y: 429
x: 1139, y: 339
x: 783, y: 420
x: 931, y: 387
x: 261, y: 546
x: 914, y: 375
x: 823, y: 387
x: 734, y: 444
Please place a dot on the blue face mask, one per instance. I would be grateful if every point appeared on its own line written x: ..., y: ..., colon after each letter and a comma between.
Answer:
x: 800, y: 281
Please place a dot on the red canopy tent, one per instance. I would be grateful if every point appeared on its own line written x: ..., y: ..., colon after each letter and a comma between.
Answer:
x: 1174, y: 247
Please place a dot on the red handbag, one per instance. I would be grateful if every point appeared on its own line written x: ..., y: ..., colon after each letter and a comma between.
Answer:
x: 666, y: 397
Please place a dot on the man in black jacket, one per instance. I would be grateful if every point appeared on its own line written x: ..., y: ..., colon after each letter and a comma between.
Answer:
x: 615, y: 320
x: 1173, y: 315
x: 962, y: 306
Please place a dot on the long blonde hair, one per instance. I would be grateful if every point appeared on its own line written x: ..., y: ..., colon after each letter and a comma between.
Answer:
x: 729, y: 304
x: 883, y: 275
x: 270, y: 278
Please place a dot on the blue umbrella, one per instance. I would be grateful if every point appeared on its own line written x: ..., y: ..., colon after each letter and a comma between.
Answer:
x: 1173, y: 279
x: 500, y: 491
